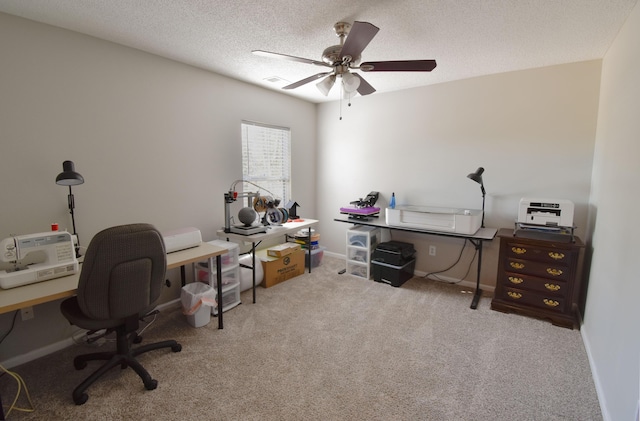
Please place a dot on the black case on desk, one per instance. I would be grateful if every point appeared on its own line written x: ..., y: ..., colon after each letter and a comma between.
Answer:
x: 394, y: 253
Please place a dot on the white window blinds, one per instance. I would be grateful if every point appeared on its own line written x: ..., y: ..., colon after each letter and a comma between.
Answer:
x: 266, y: 159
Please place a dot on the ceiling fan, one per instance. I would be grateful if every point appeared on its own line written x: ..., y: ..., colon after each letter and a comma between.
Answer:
x: 345, y: 57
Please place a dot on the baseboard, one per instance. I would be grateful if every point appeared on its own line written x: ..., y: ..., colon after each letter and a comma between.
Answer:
x: 37, y: 353
x: 594, y: 373
x: 50, y: 349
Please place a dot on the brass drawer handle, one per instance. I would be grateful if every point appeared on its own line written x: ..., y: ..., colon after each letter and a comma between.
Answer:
x: 515, y: 280
x: 551, y: 303
x: 515, y: 295
x: 552, y: 287
x: 554, y: 272
x: 556, y: 256
x: 519, y: 250
x: 516, y: 265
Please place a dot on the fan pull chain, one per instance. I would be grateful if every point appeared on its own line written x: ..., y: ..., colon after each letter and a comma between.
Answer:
x: 341, y: 95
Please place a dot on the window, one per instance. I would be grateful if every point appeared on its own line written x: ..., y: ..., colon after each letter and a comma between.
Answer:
x: 266, y: 159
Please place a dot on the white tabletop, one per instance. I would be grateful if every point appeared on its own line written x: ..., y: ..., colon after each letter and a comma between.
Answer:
x: 272, y: 231
x: 54, y: 289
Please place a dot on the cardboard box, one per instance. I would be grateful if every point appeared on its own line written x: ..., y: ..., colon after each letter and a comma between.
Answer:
x: 280, y: 269
x: 282, y: 249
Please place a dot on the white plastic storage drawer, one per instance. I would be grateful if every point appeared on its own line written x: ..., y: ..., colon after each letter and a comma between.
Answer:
x: 358, y: 269
x: 229, y: 275
x: 230, y: 297
x: 361, y: 236
x: 230, y: 258
x: 361, y: 255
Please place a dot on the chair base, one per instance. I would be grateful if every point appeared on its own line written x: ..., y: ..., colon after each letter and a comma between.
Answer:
x: 124, y: 356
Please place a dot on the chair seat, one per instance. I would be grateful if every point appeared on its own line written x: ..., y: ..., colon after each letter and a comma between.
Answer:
x: 71, y: 311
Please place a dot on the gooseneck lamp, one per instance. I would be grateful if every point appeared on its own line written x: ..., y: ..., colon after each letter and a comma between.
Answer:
x: 477, y: 177
x: 69, y: 177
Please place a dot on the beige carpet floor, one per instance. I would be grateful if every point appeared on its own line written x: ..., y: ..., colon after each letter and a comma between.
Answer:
x: 325, y: 346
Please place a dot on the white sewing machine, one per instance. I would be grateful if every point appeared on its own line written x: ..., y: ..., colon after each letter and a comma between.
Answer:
x: 59, y: 258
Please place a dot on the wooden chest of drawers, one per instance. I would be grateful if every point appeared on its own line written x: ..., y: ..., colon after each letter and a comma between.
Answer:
x: 539, y: 278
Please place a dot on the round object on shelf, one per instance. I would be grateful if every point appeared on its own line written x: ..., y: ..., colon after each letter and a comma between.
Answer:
x: 247, y: 216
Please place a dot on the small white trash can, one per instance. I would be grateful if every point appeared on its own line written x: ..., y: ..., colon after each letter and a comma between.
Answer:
x: 197, y: 299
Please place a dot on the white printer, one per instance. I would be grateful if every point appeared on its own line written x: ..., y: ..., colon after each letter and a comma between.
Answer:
x: 546, y: 212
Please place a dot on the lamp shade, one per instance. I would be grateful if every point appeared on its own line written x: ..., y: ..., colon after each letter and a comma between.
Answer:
x: 350, y: 82
x: 69, y: 176
x: 477, y: 176
x: 325, y: 85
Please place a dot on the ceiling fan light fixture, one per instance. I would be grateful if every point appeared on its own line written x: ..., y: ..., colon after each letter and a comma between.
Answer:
x: 325, y: 85
x: 350, y: 82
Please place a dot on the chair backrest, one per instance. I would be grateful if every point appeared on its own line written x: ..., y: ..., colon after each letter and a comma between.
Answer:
x: 123, y: 272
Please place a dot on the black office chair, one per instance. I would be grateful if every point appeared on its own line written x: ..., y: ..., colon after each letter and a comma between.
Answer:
x: 121, y: 278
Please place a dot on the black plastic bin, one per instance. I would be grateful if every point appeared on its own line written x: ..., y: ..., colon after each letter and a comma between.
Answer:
x: 391, y: 274
x: 394, y: 253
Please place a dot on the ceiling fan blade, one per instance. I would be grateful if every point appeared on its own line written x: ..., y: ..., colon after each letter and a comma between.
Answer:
x: 306, y: 80
x: 290, y: 58
x: 399, y: 66
x: 364, y: 88
x: 359, y: 37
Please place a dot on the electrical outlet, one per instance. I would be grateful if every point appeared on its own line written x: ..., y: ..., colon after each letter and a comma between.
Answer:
x: 26, y: 313
x: 432, y: 250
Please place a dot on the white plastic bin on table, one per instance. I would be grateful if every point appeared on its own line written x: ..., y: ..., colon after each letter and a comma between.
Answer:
x: 197, y: 300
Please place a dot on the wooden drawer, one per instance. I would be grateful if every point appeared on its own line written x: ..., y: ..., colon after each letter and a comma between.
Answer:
x: 550, y: 302
x: 540, y: 277
x: 552, y: 287
x: 539, y: 269
x: 518, y: 250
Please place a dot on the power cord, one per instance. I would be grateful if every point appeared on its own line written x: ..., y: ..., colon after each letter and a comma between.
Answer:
x: 13, y: 323
x: 433, y: 275
x: 21, y: 384
x: 16, y: 377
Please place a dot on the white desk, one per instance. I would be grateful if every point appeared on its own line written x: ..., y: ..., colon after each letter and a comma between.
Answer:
x: 272, y: 232
x: 54, y: 289
x: 477, y: 238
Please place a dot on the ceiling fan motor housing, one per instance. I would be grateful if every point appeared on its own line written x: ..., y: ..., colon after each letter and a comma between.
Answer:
x: 332, y: 56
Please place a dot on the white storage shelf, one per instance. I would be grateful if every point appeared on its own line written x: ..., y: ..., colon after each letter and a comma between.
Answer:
x: 230, y: 270
x: 229, y: 259
x: 229, y: 275
x: 230, y: 297
x: 361, y: 241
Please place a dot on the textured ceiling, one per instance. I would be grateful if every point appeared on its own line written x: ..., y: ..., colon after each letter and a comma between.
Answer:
x: 467, y: 38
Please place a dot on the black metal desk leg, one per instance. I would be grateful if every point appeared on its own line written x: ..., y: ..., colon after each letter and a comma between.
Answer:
x: 478, y: 293
x: 183, y: 276
x: 253, y: 269
x: 219, y: 284
x: 309, y: 249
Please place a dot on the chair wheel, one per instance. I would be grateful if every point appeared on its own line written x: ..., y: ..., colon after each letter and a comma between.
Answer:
x: 176, y: 348
x: 137, y: 339
x: 79, y: 400
x: 79, y: 365
x: 151, y: 384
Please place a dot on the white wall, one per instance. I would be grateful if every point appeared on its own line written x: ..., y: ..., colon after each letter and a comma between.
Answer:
x: 533, y: 131
x: 612, y: 318
x: 156, y: 141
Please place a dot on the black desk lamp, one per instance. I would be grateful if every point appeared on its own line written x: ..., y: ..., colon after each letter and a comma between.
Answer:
x: 477, y: 177
x: 69, y: 177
